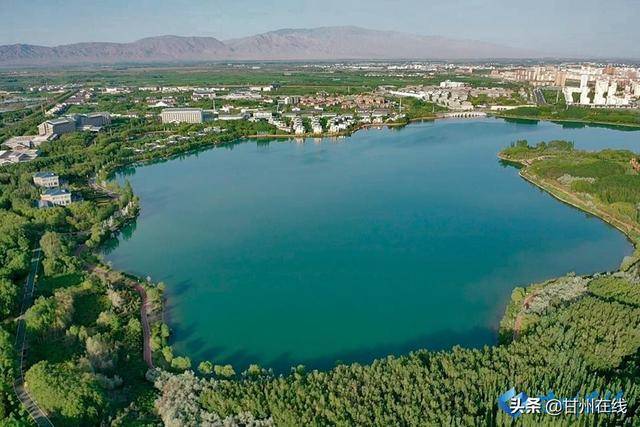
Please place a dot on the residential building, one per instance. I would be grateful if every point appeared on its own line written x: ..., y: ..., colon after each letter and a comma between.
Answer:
x: 161, y: 103
x: 291, y: 100
x: 448, y: 84
x: 46, y: 179
x: 55, y: 197
x: 316, y: 126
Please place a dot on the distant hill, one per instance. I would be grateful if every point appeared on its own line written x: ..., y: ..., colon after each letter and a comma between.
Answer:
x: 327, y: 43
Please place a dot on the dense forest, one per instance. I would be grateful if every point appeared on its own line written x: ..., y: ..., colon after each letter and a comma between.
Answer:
x: 583, y: 339
x: 84, y: 360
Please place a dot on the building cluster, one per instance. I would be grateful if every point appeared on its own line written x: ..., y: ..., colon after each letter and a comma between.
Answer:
x: 164, y: 102
x: 536, y: 76
x: 21, y: 149
x: 52, y: 192
x: 604, y: 92
x: 55, y: 88
x: 587, y: 85
x: 321, y: 101
x: 25, y: 148
x: 316, y: 125
x: 119, y: 90
x: 340, y: 124
x: 181, y: 89
x: 82, y: 96
x: 455, y: 98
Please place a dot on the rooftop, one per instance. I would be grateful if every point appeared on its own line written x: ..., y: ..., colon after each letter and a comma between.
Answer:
x: 60, y: 120
x: 56, y: 192
x: 44, y: 175
x: 181, y: 109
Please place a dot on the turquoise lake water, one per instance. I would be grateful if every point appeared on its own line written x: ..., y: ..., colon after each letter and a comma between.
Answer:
x: 347, y: 250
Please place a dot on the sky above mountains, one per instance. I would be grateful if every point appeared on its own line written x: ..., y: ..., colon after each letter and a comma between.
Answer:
x: 577, y: 28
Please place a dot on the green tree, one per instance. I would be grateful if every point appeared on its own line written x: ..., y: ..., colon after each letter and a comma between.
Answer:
x: 73, y: 397
x: 181, y: 363
x: 8, y: 297
x: 205, y: 368
x: 224, y: 371
x: 57, y: 255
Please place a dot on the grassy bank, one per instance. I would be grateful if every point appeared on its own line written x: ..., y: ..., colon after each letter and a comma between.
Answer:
x: 561, y: 113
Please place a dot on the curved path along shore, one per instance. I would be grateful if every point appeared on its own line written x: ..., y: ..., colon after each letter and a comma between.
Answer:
x: 107, y: 275
x: 146, y: 330
x: 559, y: 193
x: 111, y: 276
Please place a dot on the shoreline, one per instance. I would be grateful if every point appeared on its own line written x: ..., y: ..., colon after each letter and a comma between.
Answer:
x: 577, y: 121
x: 563, y: 197
x: 352, y: 131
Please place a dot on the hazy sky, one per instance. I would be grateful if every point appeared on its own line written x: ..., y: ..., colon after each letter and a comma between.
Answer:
x: 566, y: 27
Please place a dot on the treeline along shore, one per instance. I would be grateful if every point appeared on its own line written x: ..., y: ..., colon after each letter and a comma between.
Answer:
x: 86, y: 328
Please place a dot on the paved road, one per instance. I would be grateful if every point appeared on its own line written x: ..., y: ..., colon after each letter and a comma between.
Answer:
x: 539, y: 96
x: 36, y: 413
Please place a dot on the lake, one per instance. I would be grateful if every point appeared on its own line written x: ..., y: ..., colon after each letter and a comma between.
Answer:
x: 287, y: 253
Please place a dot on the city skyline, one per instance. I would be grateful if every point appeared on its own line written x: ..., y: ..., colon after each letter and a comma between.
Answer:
x: 572, y: 28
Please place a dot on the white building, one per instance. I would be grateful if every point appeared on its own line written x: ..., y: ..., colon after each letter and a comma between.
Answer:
x: 450, y: 84
x: 46, y: 179
x: 602, y: 86
x: 264, y: 115
x: 182, y: 115
x: 55, y: 197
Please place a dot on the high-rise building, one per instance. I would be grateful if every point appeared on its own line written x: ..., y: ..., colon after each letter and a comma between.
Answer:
x: 584, y: 96
x: 602, y: 85
x: 584, y: 81
x: 560, y: 79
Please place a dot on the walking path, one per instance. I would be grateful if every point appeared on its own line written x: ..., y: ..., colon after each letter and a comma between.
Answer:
x: 517, y: 324
x: 111, y: 276
x: 146, y: 329
x: 38, y: 415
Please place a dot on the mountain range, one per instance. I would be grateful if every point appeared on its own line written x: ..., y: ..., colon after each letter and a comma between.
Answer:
x: 326, y: 43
